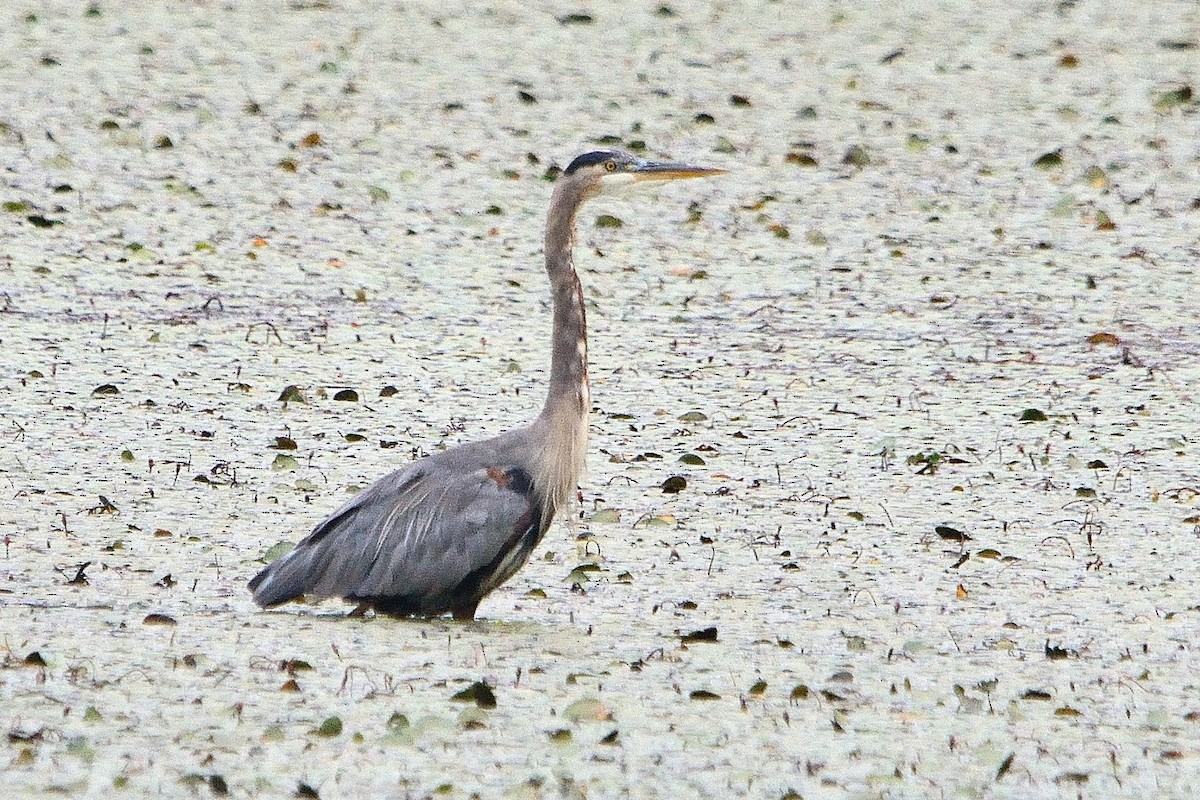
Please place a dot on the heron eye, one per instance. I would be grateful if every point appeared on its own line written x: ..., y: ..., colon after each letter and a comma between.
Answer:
x: 610, y: 166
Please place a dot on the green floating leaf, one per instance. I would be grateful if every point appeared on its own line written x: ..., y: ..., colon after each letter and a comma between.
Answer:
x: 332, y: 726
x: 581, y: 574
x: 79, y: 748
x: 378, y: 194
x: 1051, y: 160
x: 587, y: 709
x: 1095, y: 177
x: 193, y: 780
x: 1033, y: 415
x: 291, y: 394
x: 691, y: 459
x: 951, y: 534
x: 674, y: 485
x: 285, y: 463
x: 917, y: 143
x: 284, y: 443
x: 606, y: 516
x: 478, y: 693
x: 1065, y: 207
x: 1173, y: 98
x: 704, y: 694
x: 127, y: 455
x: 856, y: 643
x: 758, y: 689
x: 608, y: 221
x: 856, y: 156
x: 346, y: 396
x: 388, y: 391
x: 693, y: 416
x: 105, y: 389
x: 702, y: 635
x: 353, y: 438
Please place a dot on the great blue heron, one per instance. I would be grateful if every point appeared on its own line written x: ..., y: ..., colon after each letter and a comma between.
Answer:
x: 442, y: 532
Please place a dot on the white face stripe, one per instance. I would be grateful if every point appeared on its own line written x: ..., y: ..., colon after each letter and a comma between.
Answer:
x: 616, y: 181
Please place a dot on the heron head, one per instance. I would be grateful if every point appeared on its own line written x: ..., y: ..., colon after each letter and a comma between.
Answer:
x: 604, y: 171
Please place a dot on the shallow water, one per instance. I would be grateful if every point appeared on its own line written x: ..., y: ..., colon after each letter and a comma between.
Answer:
x: 848, y: 349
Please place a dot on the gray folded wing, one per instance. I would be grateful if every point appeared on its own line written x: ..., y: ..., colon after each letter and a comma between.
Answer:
x: 427, y: 538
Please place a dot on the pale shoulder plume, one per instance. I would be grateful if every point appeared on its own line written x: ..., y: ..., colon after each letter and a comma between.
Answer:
x: 563, y: 461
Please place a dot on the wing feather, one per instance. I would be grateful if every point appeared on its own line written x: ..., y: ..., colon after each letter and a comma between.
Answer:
x: 421, y: 537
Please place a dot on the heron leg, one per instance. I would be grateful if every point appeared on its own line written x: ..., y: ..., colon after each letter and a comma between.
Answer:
x: 465, y: 613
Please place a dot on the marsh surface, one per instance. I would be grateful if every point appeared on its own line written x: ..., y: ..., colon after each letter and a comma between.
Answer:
x: 926, y: 358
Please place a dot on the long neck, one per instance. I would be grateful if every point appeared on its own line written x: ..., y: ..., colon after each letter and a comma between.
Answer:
x: 568, y: 395
x: 564, y: 417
